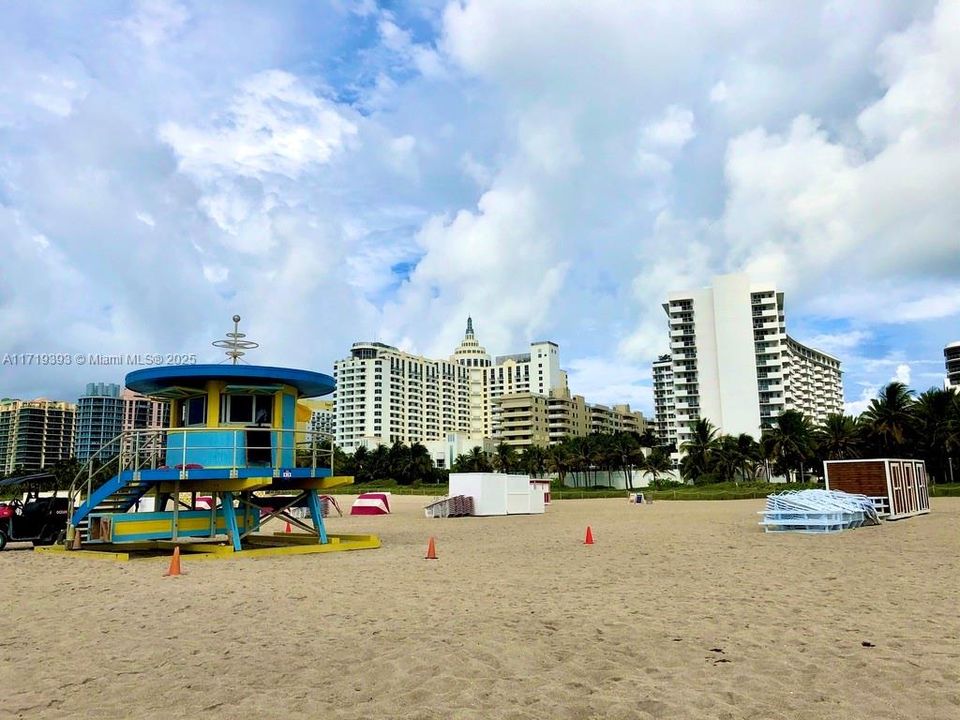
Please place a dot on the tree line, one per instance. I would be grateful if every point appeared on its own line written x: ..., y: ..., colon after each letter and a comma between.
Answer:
x: 582, y: 459
x: 896, y: 424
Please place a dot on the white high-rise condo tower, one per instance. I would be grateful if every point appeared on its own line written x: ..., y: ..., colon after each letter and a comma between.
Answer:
x: 951, y: 358
x: 732, y: 362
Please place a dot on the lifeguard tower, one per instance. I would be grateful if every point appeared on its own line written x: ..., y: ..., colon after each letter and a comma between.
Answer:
x: 238, y: 451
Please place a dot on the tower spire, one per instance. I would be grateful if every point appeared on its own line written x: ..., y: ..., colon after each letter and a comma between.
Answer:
x: 469, y: 326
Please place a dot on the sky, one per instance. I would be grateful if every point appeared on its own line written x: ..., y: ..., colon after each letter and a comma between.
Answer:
x: 352, y: 170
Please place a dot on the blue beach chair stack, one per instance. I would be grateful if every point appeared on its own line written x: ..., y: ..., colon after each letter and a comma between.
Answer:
x: 817, y: 511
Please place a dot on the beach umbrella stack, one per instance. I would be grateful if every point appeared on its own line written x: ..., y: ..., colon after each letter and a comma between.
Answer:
x: 817, y: 511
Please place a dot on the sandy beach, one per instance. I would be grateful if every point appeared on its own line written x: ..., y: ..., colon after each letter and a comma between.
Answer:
x: 679, y: 610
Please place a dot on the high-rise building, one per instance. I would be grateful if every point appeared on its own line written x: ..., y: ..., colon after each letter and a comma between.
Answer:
x: 321, y: 415
x: 35, y: 434
x: 385, y: 395
x: 99, y: 421
x: 664, y: 411
x: 951, y: 358
x: 105, y: 410
x: 732, y: 362
x: 537, y: 372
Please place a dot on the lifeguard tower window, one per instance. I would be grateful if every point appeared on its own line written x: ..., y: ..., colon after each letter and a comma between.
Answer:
x: 247, y: 409
x: 194, y: 411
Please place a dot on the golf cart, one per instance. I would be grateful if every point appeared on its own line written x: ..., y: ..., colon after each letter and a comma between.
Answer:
x: 32, y: 518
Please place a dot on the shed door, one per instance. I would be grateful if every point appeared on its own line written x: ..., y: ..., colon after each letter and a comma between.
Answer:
x: 923, y: 493
x: 909, y: 488
x: 897, y: 501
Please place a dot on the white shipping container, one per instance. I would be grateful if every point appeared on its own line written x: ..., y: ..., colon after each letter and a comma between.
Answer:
x: 498, y: 493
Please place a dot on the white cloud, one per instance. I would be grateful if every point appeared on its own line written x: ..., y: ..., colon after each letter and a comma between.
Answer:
x: 902, y: 375
x: 610, y: 382
x: 839, y: 343
x: 156, y: 21
x: 553, y: 167
x: 275, y: 125
x: 672, y: 131
x: 719, y: 92
x: 215, y: 273
x: 858, y: 406
x: 146, y: 218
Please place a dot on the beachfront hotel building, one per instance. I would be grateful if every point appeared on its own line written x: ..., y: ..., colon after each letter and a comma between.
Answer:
x: 35, y: 434
x: 105, y: 410
x: 384, y: 395
x: 732, y: 362
x: 951, y: 358
x: 526, y: 419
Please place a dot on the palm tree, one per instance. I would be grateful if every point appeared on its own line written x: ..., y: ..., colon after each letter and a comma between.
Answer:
x: 839, y: 437
x: 699, y: 450
x: 790, y: 443
x: 937, y: 429
x: 378, y: 463
x: 581, y: 456
x: 505, y: 458
x: 889, y: 419
x: 533, y: 460
x: 624, y: 447
x: 558, y: 461
x: 655, y: 464
x: 419, y: 463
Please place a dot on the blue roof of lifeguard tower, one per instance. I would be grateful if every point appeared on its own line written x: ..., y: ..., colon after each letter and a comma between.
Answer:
x: 160, y: 380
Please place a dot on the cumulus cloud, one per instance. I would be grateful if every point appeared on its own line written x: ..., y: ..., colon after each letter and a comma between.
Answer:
x: 275, y: 125
x: 156, y: 21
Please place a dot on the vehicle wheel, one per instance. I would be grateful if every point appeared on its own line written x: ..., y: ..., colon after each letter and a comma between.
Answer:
x: 3, y: 540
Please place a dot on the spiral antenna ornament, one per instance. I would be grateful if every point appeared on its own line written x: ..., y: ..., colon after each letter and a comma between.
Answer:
x: 235, y: 345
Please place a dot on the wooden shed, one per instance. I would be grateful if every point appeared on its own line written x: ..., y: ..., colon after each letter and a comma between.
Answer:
x: 897, y: 487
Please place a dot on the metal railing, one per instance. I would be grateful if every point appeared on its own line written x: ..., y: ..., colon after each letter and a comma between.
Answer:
x: 151, y: 449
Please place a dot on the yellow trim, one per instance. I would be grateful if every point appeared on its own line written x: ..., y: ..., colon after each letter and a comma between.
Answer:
x: 325, y: 483
x: 273, y: 545
x: 214, y: 388
x: 277, y: 420
x: 97, y: 554
x: 175, y: 411
x: 218, y: 485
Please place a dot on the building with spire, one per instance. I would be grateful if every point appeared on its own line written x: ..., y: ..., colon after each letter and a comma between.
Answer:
x: 385, y: 395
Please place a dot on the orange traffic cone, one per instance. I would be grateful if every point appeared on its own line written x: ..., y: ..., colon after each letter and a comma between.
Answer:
x: 589, y: 539
x: 431, y: 550
x: 77, y: 541
x: 288, y: 528
x: 174, y: 564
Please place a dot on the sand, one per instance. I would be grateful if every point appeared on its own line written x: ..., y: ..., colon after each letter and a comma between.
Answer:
x: 679, y: 610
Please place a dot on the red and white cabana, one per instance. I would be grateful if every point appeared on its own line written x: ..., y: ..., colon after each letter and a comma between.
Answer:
x: 373, y: 503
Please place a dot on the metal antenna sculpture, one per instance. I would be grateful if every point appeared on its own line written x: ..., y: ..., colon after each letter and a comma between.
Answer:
x: 235, y: 344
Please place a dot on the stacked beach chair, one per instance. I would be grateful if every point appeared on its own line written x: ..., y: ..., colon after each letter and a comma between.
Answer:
x: 817, y: 511
x: 454, y: 506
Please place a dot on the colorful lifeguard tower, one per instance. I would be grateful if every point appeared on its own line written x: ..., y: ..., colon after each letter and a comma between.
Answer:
x: 238, y: 445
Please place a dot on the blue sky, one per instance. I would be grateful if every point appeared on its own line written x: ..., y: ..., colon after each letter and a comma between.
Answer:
x: 352, y: 170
